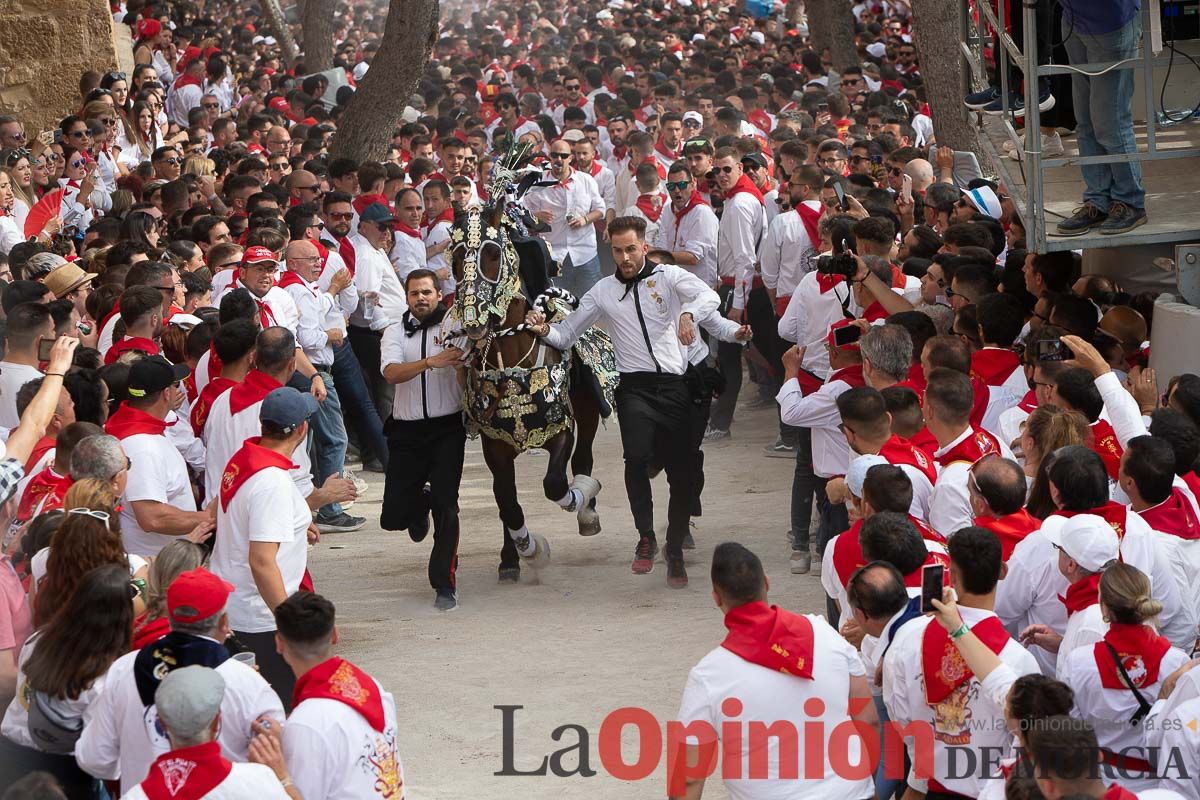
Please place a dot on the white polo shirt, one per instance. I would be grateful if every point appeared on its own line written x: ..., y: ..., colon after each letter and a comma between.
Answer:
x: 266, y: 508
x: 123, y: 737
x: 157, y: 472
x: 767, y: 697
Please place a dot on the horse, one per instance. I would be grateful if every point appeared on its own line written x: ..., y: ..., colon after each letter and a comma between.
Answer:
x: 521, y: 393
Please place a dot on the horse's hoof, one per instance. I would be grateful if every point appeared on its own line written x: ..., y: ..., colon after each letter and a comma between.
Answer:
x: 540, y: 557
x: 589, y: 521
x: 588, y: 486
x: 510, y: 574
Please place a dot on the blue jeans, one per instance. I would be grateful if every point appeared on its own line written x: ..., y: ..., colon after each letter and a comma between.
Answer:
x: 327, y: 443
x: 578, y: 278
x: 356, y: 396
x: 1104, y: 115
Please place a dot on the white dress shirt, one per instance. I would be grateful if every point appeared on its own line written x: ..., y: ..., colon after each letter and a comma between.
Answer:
x: 317, y: 312
x: 808, y: 316
x: 373, y: 272
x: 743, y: 222
x: 950, y: 502
x: 579, y: 195
x: 643, y: 322
x: 788, y: 254
x: 818, y: 412
x: 436, y: 391
x: 347, y: 299
x: 408, y: 253
x: 695, y: 232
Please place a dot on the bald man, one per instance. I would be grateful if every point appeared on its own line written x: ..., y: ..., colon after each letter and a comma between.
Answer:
x: 1124, y: 325
x: 921, y: 172
x: 304, y: 187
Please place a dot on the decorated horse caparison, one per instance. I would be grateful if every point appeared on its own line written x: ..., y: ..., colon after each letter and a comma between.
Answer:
x: 521, y: 394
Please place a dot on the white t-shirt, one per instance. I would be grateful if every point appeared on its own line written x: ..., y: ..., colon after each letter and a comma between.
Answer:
x: 37, y: 564
x: 244, y: 782
x: 157, y: 472
x: 768, y: 696
x: 267, y: 508
x: 324, y: 742
x: 12, y: 378
x: 15, y: 726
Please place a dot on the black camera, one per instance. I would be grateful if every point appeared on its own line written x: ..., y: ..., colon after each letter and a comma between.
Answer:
x: 838, y: 264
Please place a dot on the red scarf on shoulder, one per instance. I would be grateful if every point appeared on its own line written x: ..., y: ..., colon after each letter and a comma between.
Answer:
x: 139, y: 343
x: 852, y: 375
x: 900, y: 451
x: 744, y: 184
x: 943, y: 665
x: 256, y: 386
x: 1010, y: 529
x: 46, y: 484
x: 771, y: 637
x: 1081, y: 594
x: 247, y: 462
x: 187, y: 774
x: 1140, y: 649
x: 913, y: 579
x: 925, y: 441
x: 1174, y: 515
x: 993, y: 365
x: 129, y: 421
x: 651, y: 205
x: 338, y: 679
x: 203, y: 405
x: 291, y: 278
x: 979, y: 444
x: 1104, y: 443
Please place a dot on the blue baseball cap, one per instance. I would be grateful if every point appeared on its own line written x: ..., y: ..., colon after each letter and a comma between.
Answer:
x: 287, y: 408
x: 377, y: 212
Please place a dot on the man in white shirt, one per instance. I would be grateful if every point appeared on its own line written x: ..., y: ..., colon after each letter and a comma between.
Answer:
x: 342, y: 712
x: 264, y: 528
x: 688, y: 227
x: 948, y: 699
x: 650, y: 311
x: 793, y: 239
x: 587, y: 162
x: 158, y: 503
x: 650, y: 201
x: 743, y: 223
x: 779, y: 666
x: 188, y: 702
x: 426, y: 432
x: 408, y: 252
x: 28, y: 325
x: 439, y: 215
x: 123, y: 734
x: 570, y: 207
x: 188, y: 88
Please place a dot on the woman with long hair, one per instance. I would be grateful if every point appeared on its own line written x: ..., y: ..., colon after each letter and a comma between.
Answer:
x: 60, y: 675
x: 142, y: 136
x: 177, y: 557
x: 105, y: 145
x: 142, y: 227
x: 10, y: 233
x: 16, y: 162
x: 81, y: 187
x: 1045, y: 430
x: 1117, y: 679
x: 89, y: 537
x: 40, y: 170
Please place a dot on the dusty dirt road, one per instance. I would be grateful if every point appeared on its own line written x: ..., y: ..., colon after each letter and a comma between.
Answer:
x: 590, y: 637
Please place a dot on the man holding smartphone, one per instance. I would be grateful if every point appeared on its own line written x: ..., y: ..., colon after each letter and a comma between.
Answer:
x: 29, y: 324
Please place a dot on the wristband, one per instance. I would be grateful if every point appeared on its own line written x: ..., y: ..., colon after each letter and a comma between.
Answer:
x: 962, y: 631
x: 286, y: 782
x: 56, y: 374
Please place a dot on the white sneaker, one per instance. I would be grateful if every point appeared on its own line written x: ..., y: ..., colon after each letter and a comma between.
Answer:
x: 1052, y: 147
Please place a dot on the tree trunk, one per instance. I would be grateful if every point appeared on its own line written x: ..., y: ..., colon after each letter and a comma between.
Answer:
x: 279, y: 27
x: 831, y: 26
x: 936, y: 31
x: 365, y: 130
x: 317, y: 29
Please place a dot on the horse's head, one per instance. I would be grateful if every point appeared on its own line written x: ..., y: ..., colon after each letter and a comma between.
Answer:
x: 485, y: 268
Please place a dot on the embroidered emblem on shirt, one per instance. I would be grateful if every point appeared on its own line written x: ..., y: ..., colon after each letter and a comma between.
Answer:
x: 175, y: 773
x: 344, y: 682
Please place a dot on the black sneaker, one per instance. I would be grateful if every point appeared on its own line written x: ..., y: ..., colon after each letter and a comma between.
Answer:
x: 446, y: 600
x: 342, y: 523
x: 420, y: 529
x: 644, y: 553
x: 1122, y: 219
x: 676, y: 573
x: 977, y: 100
x: 1086, y: 217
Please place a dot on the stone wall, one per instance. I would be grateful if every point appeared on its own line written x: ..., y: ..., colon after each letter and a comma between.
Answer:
x: 45, y: 46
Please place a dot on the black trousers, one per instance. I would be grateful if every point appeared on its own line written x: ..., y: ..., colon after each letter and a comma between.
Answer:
x: 655, y: 415
x: 271, y: 665
x: 729, y: 361
x: 426, y: 451
x: 366, y: 346
x: 805, y: 484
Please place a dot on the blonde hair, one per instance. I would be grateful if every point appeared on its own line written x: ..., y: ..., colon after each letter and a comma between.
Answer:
x: 91, y: 493
x: 1125, y: 594
x: 23, y: 193
x: 202, y: 166
x: 1051, y: 427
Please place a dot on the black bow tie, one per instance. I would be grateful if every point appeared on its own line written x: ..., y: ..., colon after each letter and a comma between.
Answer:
x: 645, y: 272
x: 412, y: 325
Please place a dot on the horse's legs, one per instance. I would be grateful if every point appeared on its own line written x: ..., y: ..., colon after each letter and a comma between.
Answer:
x: 501, y: 461
x: 587, y: 420
x: 555, y: 484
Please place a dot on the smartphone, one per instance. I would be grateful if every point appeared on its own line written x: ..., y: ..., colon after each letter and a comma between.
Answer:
x: 906, y: 188
x: 932, y: 580
x: 1052, y: 350
x: 847, y: 335
x: 841, y: 196
x: 822, y: 108
x: 44, y: 348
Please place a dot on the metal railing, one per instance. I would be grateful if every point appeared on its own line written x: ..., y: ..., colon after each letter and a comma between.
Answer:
x: 978, y: 16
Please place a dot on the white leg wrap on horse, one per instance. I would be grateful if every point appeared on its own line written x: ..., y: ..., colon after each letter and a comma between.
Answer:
x: 524, y: 542
x: 571, y: 500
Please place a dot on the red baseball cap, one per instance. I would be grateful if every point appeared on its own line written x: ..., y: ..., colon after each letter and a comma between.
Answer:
x: 841, y: 323
x: 279, y: 104
x: 197, y: 594
x: 258, y: 255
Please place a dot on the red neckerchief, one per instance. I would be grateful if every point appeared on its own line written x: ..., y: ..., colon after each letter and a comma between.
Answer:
x: 126, y: 345
x: 925, y: 442
x: 46, y: 483
x: 1175, y: 516
x: 266, y: 317
x: 981, y: 395
x: 40, y: 449
x: 744, y: 184
x: 256, y: 386
x: 977, y: 445
x: 1081, y: 594
x: 696, y: 199
x: 1140, y: 649
x: 148, y: 631
x: 899, y: 451
x: 189, y: 773
x: 204, y: 403
x: 1193, y: 482
x: 913, y: 579
x: 1029, y: 402
x: 247, y: 462
x: 847, y: 553
x: 852, y: 375
x: 663, y: 150
x: 993, y: 365
x: 346, y: 251
x: 595, y: 168
x: 1113, y: 513
x: 338, y: 679
x: 811, y: 218
x: 129, y: 421
x: 1010, y: 529
x: 361, y: 202
x: 827, y: 282
x: 771, y: 637
x: 928, y: 534
x: 292, y: 278
x: 406, y: 230
x: 943, y: 665
x: 646, y: 204
x: 445, y: 216
x: 619, y: 152
x: 874, y: 312
x: 186, y: 80
x: 809, y: 382
x: 1104, y: 443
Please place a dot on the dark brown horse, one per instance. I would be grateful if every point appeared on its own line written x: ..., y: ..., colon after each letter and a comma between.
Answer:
x: 520, y: 393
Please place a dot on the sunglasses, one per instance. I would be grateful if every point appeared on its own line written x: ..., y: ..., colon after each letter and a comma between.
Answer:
x: 16, y: 155
x: 573, y: 88
x: 115, y: 76
x: 560, y: 155
x: 342, y: 216
x: 79, y: 134
x: 678, y: 186
x: 53, y: 157
x: 82, y: 511
x: 172, y: 160
x: 109, y: 122
x: 691, y: 123
x: 78, y: 164
x: 726, y: 170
